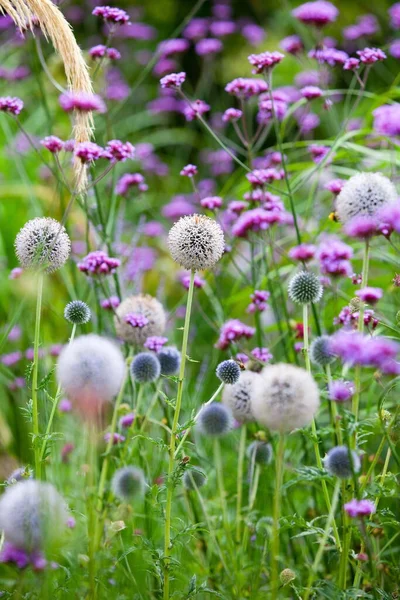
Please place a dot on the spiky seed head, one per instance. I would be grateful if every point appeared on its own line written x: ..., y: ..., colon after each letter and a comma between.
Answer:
x: 228, y: 371
x: 304, y: 288
x: 364, y: 194
x: 170, y: 360
x: 260, y: 452
x: 196, y: 242
x: 91, y: 370
x: 77, y: 312
x: 320, y: 351
x: 238, y: 397
x: 33, y: 515
x: 194, y: 478
x: 285, y: 398
x: 42, y: 243
x: 143, y: 305
x: 145, y: 367
x: 339, y: 462
x: 215, y: 420
x: 128, y: 483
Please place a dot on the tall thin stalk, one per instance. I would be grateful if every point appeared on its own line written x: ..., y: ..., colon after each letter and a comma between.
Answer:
x: 275, y: 516
x: 242, y: 451
x: 35, y: 407
x: 172, y: 444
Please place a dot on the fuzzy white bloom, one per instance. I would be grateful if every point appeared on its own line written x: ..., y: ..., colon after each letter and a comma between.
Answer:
x: 285, y: 398
x: 196, y: 242
x: 42, y: 243
x: 33, y: 515
x: 91, y: 369
x: 238, y: 397
x: 364, y: 194
x: 142, y: 305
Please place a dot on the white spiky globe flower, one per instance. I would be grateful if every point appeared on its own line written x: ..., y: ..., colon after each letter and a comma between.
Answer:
x: 91, y: 370
x: 196, y: 242
x: 33, y: 515
x: 42, y: 243
x: 142, y: 305
x: 238, y: 397
x: 364, y: 195
x: 285, y: 397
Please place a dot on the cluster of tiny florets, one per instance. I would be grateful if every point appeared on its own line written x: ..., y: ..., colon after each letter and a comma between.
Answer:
x: 145, y: 367
x: 228, y: 371
x: 363, y: 195
x: 214, y: 420
x: 128, y: 483
x: 77, y: 312
x: 196, y: 242
x: 144, y: 306
x: 342, y: 462
x: 170, y: 360
x: 320, y: 352
x: 305, y: 288
x: 43, y: 243
x: 238, y: 397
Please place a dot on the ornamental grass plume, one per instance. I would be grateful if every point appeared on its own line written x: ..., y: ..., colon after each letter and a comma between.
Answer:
x: 284, y: 398
x: 142, y: 305
x: 238, y: 397
x: 55, y: 27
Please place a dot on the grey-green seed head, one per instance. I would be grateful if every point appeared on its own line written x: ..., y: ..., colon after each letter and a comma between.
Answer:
x: 77, y: 312
x: 305, y: 288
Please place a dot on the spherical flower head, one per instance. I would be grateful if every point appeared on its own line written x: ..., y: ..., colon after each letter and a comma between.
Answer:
x: 82, y: 102
x: 53, y: 144
x: 215, y: 420
x: 318, y: 13
x: 359, y: 508
x: 238, y: 397
x: 211, y: 202
x: 128, y: 483
x: 196, y: 242
x: 88, y: 152
x: 292, y: 44
x: 285, y: 398
x: 231, y: 115
x: 364, y: 194
x: 77, y: 312
x: 341, y: 463
x: 145, y: 367
x: 33, y: 515
x: 170, y: 360
x: 111, y: 14
x: 98, y: 263
x: 194, y: 478
x: 320, y: 352
x: 144, y: 305
x: 228, y: 371
x: 265, y: 61
x: 91, y: 370
x: 260, y: 452
x: 305, y: 288
x: 302, y: 252
x: 369, y: 56
x: 370, y: 295
x: 340, y: 391
x: 13, y: 106
x: 173, y: 81
x: 189, y: 171
x: 43, y: 243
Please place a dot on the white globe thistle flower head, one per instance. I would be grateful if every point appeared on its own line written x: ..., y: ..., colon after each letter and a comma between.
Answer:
x: 42, y: 243
x: 285, y: 398
x: 363, y: 195
x: 33, y: 516
x: 196, y: 242
x: 238, y: 397
x: 91, y: 370
x: 141, y: 306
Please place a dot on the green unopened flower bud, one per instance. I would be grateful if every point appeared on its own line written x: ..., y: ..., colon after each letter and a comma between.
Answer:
x: 286, y: 576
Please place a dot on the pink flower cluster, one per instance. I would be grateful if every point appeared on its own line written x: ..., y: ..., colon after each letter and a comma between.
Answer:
x: 318, y: 13
x: 173, y: 80
x: 359, y: 508
x: 136, y: 320
x: 82, y: 102
x: 102, y: 51
x: 11, y: 105
x: 334, y: 257
x: 261, y: 354
x: 356, y: 349
x: 232, y: 331
x: 155, y: 343
x: 246, y: 87
x: 265, y: 61
x: 259, y: 300
x: 111, y: 14
x: 117, y: 151
x: 98, y: 263
x: 130, y: 180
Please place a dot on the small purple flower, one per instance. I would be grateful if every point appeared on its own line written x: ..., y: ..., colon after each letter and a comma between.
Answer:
x: 303, y: 252
x: 370, y: 295
x: 387, y: 120
x: 208, y: 46
x: 341, y: 391
x: 195, y: 109
x: 189, y: 171
x: 127, y: 420
x: 231, y: 115
x: 260, y: 177
x: 82, y: 102
x: 222, y: 28
x: 130, y: 180
x: 155, y: 343
x: 15, y: 273
x: 259, y: 300
x: 237, y: 206
x: 232, y: 331
x: 10, y: 105
x: 365, y: 25
x: 253, y: 33
x: 335, y: 186
x: 174, y: 46
x: 15, y: 333
x: 334, y: 256
x: 394, y: 49
x: 308, y: 122
x: 292, y: 44
x: 211, y: 202
x: 136, y: 320
x: 394, y: 13
x: 330, y: 56
x: 98, y: 51
x: 88, y: 151
x: 359, y: 508
x: 199, y: 282
x: 98, y: 263
x: 11, y: 359
x: 363, y: 227
x: 262, y: 354
x: 265, y: 61
x: 318, y: 152
x: 351, y: 64
x: 369, y: 56
x: 246, y: 87
x: 110, y: 303
x: 173, y: 80
x: 117, y: 151
x: 65, y: 406
x: 53, y: 144
x: 318, y: 13
x: 113, y: 15
x: 310, y: 92
x: 117, y: 438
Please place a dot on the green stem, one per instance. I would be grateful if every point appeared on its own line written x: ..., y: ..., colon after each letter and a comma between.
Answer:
x: 306, y: 347
x: 35, y: 408
x: 172, y: 444
x: 321, y: 548
x: 276, y: 516
x: 372, y: 465
x: 334, y: 411
x: 221, y: 486
x: 242, y: 452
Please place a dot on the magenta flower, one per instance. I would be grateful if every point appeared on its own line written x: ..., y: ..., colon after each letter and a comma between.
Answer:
x: 53, y: 144
x: 130, y: 180
x: 208, y: 46
x: 231, y: 115
x: 173, y: 80
x: 359, y: 508
x: 363, y: 227
x: 11, y: 359
x: 82, y: 102
x: 117, y: 438
x: 394, y: 13
x: 341, y: 391
x: 113, y: 15
x: 262, y: 354
x: 318, y: 13
x: 302, y: 252
x: 265, y: 61
x: 366, y: 25
x: 98, y: 263
x: 155, y: 343
x: 254, y: 34
x: 232, y: 331
x: 318, y: 152
x: 370, y: 295
x: 196, y: 109
x: 246, y: 87
x: 260, y: 177
x: 15, y: 273
x: 136, y: 320
x: 334, y: 257
x: 394, y: 49
x: 174, y: 46
x: 256, y: 219
x: 65, y: 405
x: 199, y: 282
x: 189, y: 171
x: 10, y: 105
x: 126, y: 420
x: 335, y: 186
x: 88, y: 151
x: 259, y: 300
x: 237, y: 206
x: 292, y: 44
x: 387, y: 120
x: 222, y: 28
x: 110, y: 303
x: 117, y: 151
x: 351, y: 64
x: 330, y: 56
x: 310, y: 92
x: 211, y: 202
x: 101, y: 51
x: 369, y: 56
